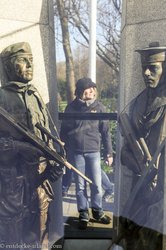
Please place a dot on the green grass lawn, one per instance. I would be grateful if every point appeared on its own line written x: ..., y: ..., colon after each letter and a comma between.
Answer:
x: 62, y: 106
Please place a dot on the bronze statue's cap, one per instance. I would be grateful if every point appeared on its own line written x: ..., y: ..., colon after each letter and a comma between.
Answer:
x: 153, y: 53
x: 21, y: 48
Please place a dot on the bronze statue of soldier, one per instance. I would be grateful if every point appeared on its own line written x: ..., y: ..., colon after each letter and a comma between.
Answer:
x: 25, y: 192
x: 148, y: 119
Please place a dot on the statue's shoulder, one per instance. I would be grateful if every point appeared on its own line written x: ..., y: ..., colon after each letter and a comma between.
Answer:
x: 7, y: 97
x: 140, y: 97
x: 3, y: 96
x: 138, y: 101
x: 4, y: 90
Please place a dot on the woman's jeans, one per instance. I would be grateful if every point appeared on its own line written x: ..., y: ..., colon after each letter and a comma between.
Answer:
x: 89, y: 164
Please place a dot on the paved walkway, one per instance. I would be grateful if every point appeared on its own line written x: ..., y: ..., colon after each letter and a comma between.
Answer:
x: 94, y: 230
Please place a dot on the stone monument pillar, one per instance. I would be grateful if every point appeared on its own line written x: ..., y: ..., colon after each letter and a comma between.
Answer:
x: 142, y: 22
x: 33, y: 22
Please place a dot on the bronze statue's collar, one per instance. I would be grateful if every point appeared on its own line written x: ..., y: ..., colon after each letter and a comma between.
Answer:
x: 19, y: 86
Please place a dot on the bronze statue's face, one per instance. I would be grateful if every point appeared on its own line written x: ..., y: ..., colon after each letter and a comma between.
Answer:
x: 152, y: 73
x: 22, y: 68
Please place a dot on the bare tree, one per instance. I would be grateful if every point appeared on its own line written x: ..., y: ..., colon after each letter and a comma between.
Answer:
x: 76, y: 15
x: 108, y: 28
x: 70, y: 76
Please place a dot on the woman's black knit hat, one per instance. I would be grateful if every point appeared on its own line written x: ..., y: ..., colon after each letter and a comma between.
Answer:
x: 82, y: 84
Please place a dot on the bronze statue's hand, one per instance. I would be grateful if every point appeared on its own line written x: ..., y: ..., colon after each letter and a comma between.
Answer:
x: 53, y: 171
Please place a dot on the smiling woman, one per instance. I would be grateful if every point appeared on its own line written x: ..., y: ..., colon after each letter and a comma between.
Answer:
x: 83, y: 139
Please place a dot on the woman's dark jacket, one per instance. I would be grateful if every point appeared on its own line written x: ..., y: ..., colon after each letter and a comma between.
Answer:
x: 85, y: 136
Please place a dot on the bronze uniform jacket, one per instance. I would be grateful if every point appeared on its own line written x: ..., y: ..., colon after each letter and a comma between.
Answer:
x: 148, y: 117
x: 23, y: 102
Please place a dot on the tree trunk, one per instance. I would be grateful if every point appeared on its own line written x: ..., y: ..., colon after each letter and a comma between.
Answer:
x: 70, y: 75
